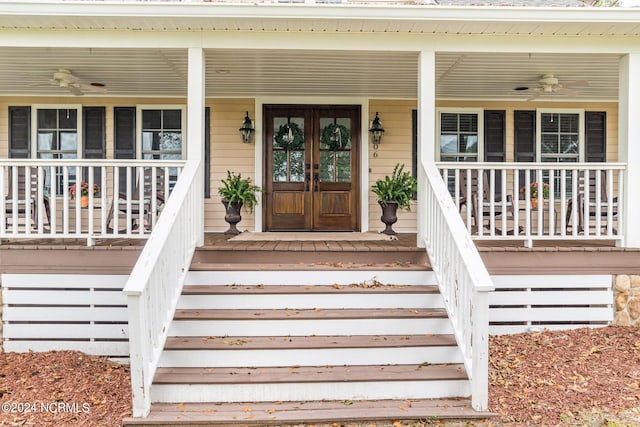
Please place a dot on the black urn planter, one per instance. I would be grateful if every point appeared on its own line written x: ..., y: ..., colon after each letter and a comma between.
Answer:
x: 232, y: 216
x: 389, y: 216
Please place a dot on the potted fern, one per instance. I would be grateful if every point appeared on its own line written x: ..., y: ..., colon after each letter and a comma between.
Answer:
x: 237, y: 192
x: 393, y: 192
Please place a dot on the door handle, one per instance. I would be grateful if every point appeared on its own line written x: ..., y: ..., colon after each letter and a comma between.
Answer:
x: 307, y: 181
x: 316, y: 178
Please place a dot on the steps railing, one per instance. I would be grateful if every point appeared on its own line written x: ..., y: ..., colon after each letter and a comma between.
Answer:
x: 155, y: 284
x: 462, y: 278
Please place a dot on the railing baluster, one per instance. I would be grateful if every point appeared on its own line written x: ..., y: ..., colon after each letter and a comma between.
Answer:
x: 78, y: 206
x: 503, y: 195
x: 516, y: 203
x: 586, y: 222
x: 53, y: 205
x: 3, y: 200
x: 65, y: 197
x: 563, y: 203
x: 552, y: 210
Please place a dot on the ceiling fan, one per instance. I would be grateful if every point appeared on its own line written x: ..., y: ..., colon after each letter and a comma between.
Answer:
x: 548, y: 84
x: 64, y: 79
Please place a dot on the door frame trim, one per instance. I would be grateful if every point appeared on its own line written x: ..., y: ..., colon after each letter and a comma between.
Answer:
x: 363, y: 102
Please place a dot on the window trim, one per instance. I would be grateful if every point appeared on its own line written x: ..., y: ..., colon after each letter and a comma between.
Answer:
x: 461, y: 110
x: 183, y: 127
x: 581, y: 129
x: 34, y: 126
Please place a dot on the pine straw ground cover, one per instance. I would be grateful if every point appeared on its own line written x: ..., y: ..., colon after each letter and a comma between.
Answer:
x: 584, y: 377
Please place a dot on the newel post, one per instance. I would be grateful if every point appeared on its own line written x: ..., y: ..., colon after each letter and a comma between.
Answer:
x: 480, y: 351
x: 195, y: 132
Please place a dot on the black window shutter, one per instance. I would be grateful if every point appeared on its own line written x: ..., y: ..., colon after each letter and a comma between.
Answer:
x: 596, y: 136
x: 124, y: 132
x: 524, y: 140
x: 207, y: 152
x: 494, y: 136
x: 525, y: 136
x: 495, y: 143
x: 19, y: 132
x: 124, y: 139
x: 93, y: 124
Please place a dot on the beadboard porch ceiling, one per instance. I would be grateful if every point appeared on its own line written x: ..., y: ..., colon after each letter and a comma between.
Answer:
x: 162, y: 72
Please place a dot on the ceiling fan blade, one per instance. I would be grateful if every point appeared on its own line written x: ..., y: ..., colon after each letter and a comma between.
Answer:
x: 576, y: 83
x: 74, y: 90
x: 565, y: 91
x: 88, y: 87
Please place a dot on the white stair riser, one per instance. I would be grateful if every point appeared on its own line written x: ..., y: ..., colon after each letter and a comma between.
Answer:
x: 303, y: 277
x: 306, y: 357
x: 240, y: 301
x: 309, y: 391
x: 267, y: 328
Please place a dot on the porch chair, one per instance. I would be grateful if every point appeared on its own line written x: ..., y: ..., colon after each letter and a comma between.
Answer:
x: 26, y: 201
x: 141, y: 216
x: 592, y: 200
x: 481, y: 206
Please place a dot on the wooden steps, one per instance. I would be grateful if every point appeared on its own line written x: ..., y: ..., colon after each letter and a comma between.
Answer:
x: 296, y: 412
x: 290, y: 343
x: 292, y: 336
x: 312, y: 314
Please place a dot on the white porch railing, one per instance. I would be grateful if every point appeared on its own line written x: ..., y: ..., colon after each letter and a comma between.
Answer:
x: 462, y: 278
x: 156, y: 281
x: 125, y: 197
x: 583, y: 200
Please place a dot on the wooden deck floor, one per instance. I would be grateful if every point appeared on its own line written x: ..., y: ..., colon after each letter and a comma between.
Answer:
x: 501, y: 257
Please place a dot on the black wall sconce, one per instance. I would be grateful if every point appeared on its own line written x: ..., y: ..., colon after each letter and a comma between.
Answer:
x: 246, y: 130
x: 375, y: 132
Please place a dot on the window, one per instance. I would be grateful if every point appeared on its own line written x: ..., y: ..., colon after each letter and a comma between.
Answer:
x: 57, y: 136
x: 459, y: 133
x: 161, y: 133
x: 57, y: 133
x: 560, y: 136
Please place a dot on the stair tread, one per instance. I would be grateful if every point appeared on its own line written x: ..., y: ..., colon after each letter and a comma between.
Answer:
x: 310, y: 374
x: 307, y: 289
x: 309, y: 411
x: 220, y: 266
x: 307, y: 342
x: 310, y: 314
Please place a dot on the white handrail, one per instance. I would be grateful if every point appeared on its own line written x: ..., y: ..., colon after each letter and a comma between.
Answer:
x: 37, y: 200
x: 156, y: 281
x: 462, y: 278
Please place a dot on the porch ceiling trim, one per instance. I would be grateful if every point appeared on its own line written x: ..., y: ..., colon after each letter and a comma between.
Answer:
x: 364, y: 18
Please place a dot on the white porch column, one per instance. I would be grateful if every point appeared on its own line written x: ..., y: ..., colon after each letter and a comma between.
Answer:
x: 629, y: 145
x: 195, y: 129
x: 426, y: 129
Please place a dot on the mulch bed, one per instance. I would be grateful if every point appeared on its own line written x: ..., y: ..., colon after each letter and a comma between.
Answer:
x: 63, y: 388
x: 551, y: 378
x: 546, y: 378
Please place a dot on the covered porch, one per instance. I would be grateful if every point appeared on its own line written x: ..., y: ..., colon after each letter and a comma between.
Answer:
x: 212, y: 67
